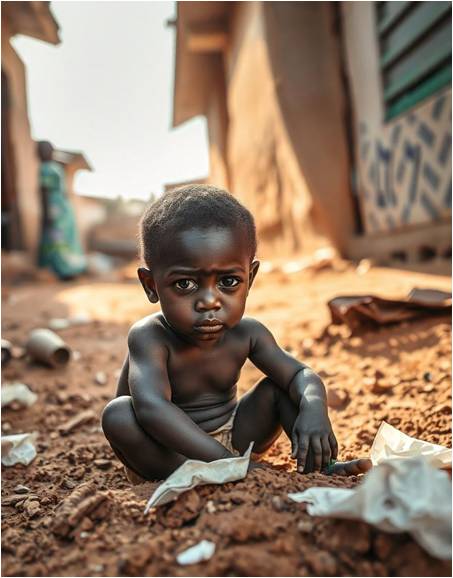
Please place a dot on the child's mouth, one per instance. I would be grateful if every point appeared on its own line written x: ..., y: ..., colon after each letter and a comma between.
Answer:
x: 213, y: 327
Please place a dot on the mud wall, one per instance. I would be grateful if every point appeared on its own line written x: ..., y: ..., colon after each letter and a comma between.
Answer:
x: 25, y: 159
x: 263, y: 170
x: 403, y: 165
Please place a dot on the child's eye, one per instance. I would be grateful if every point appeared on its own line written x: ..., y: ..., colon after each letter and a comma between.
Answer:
x: 229, y: 282
x: 185, y: 284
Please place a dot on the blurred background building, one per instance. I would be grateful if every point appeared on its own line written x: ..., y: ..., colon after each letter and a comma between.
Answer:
x: 21, y: 209
x: 331, y: 117
x: 328, y: 119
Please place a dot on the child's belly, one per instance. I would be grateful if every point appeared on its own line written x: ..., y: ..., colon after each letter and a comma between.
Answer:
x: 210, y: 410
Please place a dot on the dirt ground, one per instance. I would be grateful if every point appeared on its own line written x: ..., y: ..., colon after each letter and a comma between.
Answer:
x: 81, y: 517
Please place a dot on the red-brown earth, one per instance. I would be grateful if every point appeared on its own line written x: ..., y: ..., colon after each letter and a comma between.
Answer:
x: 81, y: 517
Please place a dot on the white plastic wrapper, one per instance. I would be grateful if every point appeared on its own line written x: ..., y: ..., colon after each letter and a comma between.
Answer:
x: 18, y: 449
x: 196, y: 473
x: 17, y: 392
x: 399, y: 495
x: 202, y: 551
x: 58, y: 323
x: 391, y: 443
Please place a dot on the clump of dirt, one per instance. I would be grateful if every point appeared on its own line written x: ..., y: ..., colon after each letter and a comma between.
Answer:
x: 72, y: 512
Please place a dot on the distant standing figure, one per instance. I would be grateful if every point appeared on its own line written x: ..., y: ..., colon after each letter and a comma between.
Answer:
x: 59, y: 247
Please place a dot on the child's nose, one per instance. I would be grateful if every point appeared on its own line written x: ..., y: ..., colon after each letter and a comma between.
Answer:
x: 207, y: 300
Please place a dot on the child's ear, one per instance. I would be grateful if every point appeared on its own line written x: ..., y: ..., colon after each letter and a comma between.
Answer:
x: 253, y: 271
x: 147, y: 281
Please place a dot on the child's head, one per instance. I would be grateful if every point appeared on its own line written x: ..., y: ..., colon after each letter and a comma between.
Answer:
x: 188, y: 207
x: 45, y: 150
x: 198, y: 243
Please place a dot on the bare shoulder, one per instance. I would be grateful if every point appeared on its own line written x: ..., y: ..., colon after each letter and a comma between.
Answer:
x: 253, y: 328
x: 150, y: 331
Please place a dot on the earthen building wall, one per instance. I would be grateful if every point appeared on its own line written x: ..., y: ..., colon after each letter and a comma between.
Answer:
x: 263, y: 171
x: 23, y: 147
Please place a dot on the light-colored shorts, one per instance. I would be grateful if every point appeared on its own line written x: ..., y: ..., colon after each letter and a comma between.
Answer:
x: 224, y: 433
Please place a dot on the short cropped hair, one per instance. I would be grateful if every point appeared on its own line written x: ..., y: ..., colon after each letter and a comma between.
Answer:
x: 187, y: 207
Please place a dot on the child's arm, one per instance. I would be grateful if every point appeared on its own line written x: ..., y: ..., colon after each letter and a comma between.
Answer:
x: 312, y: 427
x: 151, y: 398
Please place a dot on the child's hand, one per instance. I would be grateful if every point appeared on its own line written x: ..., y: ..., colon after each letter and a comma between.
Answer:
x: 312, y: 431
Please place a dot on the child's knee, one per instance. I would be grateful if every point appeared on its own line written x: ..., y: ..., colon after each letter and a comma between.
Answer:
x: 269, y: 390
x: 115, y: 416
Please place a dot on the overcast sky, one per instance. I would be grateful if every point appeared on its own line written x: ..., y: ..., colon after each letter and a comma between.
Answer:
x: 106, y: 90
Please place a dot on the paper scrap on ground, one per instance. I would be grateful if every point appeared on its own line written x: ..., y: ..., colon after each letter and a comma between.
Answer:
x: 18, y: 449
x: 197, y: 473
x: 17, y: 392
x: 390, y: 443
x: 396, y: 496
x: 204, y: 550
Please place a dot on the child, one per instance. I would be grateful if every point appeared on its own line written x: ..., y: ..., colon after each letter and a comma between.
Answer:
x: 176, y: 396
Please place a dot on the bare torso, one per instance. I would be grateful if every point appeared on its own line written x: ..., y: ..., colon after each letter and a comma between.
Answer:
x: 203, y: 380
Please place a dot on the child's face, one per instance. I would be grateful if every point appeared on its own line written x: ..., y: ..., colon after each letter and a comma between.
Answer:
x: 202, y: 280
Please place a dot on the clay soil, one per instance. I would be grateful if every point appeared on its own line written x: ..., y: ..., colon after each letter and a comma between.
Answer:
x: 81, y: 517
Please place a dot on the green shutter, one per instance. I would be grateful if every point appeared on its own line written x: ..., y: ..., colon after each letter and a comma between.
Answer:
x: 415, y: 51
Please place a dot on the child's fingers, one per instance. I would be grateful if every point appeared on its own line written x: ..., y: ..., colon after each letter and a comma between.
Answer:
x: 294, y: 444
x: 316, y: 446
x: 302, y: 450
x: 326, y: 452
x: 333, y: 445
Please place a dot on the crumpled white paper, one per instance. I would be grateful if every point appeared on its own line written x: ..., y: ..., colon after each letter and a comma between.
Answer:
x: 202, y: 551
x: 390, y: 443
x: 396, y: 496
x: 197, y: 473
x: 17, y: 392
x: 18, y: 449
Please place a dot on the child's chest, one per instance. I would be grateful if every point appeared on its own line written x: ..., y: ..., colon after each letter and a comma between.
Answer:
x: 195, y: 371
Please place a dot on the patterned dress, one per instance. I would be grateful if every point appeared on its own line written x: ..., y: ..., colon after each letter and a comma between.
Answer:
x: 59, y: 248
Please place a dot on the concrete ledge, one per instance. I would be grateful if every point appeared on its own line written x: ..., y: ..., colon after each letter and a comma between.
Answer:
x: 415, y: 244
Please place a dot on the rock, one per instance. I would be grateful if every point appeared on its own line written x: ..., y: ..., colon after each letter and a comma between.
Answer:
x: 278, y: 503
x: 20, y: 489
x: 68, y: 484
x: 103, y: 464
x: 100, y: 378
x: 32, y: 508
x: 13, y: 499
x: 82, y: 418
x: 375, y: 385
x: 336, y: 397
x: 427, y: 376
x: 305, y: 526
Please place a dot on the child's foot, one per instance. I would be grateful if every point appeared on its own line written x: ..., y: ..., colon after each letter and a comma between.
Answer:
x: 352, y: 468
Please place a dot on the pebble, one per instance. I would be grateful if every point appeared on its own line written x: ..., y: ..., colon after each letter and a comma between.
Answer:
x: 305, y: 526
x: 6, y: 427
x: 427, y: 376
x: 336, y: 398
x: 100, y: 378
x: 20, y: 489
x: 278, y: 503
x: 210, y: 507
x: 103, y: 464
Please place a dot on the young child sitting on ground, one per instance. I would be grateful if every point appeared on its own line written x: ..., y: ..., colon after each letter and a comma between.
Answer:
x: 176, y: 396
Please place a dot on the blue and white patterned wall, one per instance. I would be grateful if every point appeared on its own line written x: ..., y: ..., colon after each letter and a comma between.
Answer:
x: 404, y: 171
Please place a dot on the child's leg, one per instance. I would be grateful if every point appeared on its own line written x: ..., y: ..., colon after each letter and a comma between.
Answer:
x: 133, y: 446
x: 261, y: 414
